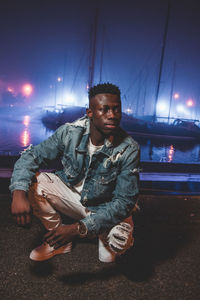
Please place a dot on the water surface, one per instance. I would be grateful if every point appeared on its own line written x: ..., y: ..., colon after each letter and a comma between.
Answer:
x: 18, y: 131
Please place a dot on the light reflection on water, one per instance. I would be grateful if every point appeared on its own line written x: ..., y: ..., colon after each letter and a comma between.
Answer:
x: 18, y: 134
x: 26, y: 120
x: 25, y: 136
x: 171, y: 153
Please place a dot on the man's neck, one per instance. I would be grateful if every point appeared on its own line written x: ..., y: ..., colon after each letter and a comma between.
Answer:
x: 99, y: 142
x: 98, y: 138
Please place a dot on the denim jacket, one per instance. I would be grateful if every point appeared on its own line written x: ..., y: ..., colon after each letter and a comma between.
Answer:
x: 111, y: 180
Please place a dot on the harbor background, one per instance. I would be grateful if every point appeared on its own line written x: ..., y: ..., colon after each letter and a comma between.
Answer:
x: 19, y: 130
x: 51, y: 52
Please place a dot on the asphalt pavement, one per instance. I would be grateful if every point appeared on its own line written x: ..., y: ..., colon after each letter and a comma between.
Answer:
x: 163, y: 264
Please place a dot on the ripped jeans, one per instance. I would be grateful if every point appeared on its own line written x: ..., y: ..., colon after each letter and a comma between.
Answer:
x: 49, y: 196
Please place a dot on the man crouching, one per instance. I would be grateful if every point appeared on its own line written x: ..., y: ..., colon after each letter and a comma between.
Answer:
x: 97, y: 187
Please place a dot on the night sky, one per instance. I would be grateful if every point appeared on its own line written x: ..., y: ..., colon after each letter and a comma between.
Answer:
x: 44, y: 40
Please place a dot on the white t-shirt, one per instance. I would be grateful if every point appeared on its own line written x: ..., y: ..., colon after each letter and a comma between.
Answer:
x: 91, y: 150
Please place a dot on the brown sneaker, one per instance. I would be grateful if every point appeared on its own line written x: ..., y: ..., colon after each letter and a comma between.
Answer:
x: 44, y: 251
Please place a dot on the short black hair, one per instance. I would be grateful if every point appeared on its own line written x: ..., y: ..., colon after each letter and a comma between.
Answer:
x: 104, y: 88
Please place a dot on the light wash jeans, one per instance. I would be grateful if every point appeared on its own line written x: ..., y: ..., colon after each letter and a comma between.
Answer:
x: 49, y: 196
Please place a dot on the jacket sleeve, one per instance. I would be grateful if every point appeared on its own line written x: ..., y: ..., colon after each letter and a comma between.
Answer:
x: 31, y: 159
x: 124, y: 196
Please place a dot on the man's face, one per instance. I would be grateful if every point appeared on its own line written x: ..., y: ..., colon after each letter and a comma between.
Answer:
x: 105, y: 114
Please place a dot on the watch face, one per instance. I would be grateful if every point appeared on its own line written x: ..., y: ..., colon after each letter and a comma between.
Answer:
x: 82, y: 230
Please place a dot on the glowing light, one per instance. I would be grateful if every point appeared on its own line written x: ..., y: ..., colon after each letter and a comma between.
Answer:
x: 9, y: 89
x: 26, y: 120
x: 180, y: 108
x: 170, y: 153
x: 27, y: 89
x: 190, y: 103
x: 25, y: 138
x: 128, y: 111
x: 87, y: 87
x: 176, y: 95
x: 59, y: 79
x: 70, y: 99
x: 161, y: 107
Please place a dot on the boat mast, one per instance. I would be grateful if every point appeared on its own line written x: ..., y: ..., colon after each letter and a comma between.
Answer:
x: 161, y: 61
x: 171, y: 92
x: 102, y: 52
x: 138, y: 97
x: 93, y: 52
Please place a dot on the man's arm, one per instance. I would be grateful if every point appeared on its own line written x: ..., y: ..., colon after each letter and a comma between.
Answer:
x: 20, y: 207
x: 31, y: 159
x: 64, y: 234
x: 26, y: 167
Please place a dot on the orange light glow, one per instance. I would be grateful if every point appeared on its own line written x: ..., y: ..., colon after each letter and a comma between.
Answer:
x: 26, y: 120
x: 27, y: 89
x: 25, y: 138
x: 170, y: 153
x: 9, y: 89
x: 190, y: 103
x: 176, y: 96
x: 128, y: 110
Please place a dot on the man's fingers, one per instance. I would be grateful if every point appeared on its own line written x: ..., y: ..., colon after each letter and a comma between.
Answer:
x: 53, y: 238
x: 58, y: 245
x: 18, y: 218
x: 59, y: 242
x: 28, y: 218
x: 22, y: 219
x: 55, y: 241
x: 49, y: 235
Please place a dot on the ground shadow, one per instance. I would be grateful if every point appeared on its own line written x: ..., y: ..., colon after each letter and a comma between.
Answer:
x: 162, y: 228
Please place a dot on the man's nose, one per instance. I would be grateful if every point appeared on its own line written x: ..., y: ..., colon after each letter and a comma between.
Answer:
x: 111, y: 113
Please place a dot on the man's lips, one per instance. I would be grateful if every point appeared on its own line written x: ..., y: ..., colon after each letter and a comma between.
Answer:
x: 111, y: 126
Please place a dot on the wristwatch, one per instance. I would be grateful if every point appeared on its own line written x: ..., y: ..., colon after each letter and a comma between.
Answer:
x: 82, y: 229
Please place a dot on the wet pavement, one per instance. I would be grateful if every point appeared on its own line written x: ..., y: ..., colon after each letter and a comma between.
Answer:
x: 163, y: 264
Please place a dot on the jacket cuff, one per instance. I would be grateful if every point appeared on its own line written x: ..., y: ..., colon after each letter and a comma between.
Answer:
x: 90, y: 225
x: 19, y: 186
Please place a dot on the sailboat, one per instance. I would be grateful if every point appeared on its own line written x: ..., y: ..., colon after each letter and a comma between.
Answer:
x: 180, y: 129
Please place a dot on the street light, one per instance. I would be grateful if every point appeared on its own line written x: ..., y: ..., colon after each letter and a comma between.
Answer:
x: 128, y: 111
x: 10, y: 90
x: 190, y: 103
x: 176, y: 96
x: 27, y: 89
x: 161, y: 107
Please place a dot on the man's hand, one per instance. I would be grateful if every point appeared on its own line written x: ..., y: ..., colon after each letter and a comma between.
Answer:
x: 20, y: 208
x: 61, y: 235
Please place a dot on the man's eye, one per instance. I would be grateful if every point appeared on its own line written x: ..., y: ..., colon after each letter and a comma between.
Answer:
x: 104, y: 109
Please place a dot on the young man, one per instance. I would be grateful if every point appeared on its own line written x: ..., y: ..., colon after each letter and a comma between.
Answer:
x: 97, y: 187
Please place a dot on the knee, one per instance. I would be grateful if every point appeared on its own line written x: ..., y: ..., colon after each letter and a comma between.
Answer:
x: 120, y: 238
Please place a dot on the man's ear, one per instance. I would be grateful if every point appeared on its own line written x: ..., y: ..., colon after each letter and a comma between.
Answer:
x: 89, y: 113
